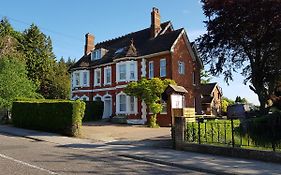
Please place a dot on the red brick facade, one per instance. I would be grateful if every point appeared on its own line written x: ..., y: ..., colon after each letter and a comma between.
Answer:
x: 178, y: 50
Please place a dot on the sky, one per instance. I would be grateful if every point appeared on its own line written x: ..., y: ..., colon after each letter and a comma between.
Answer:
x: 67, y: 22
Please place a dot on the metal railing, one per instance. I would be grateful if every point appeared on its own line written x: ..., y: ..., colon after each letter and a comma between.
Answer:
x: 224, y: 133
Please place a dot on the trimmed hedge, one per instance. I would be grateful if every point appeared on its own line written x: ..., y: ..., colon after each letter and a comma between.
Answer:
x: 93, y: 111
x: 60, y: 116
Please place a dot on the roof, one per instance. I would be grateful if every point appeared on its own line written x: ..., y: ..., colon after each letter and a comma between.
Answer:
x: 207, y: 89
x: 196, y: 54
x: 207, y: 99
x: 132, y: 45
x: 179, y: 89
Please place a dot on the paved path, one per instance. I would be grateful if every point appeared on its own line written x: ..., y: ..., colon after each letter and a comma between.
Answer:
x: 105, y: 131
x: 162, y: 156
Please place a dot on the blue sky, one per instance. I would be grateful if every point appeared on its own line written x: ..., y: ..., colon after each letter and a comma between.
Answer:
x: 66, y: 22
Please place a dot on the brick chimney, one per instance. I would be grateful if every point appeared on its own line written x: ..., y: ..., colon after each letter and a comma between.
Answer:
x: 155, y: 22
x: 90, y: 43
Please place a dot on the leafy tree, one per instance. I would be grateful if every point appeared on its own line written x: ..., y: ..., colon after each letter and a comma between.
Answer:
x: 243, y: 35
x: 60, y: 82
x: 70, y: 62
x: 225, y: 103
x: 150, y: 92
x: 205, y: 77
x: 14, y: 82
x: 241, y: 100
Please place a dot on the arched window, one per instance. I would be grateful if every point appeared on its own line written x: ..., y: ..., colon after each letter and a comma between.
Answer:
x: 97, y: 98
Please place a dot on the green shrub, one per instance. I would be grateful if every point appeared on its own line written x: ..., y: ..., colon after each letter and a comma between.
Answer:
x: 94, y: 111
x: 264, y: 131
x: 60, y: 116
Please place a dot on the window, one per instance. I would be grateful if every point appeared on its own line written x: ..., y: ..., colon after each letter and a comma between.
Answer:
x: 181, y: 67
x: 96, y: 54
x: 97, y: 81
x: 132, y: 71
x: 193, y: 78
x: 126, y: 71
x: 122, y: 103
x: 107, y: 75
x: 151, y: 69
x: 132, y: 104
x: 163, y: 68
x: 122, y: 72
x: 77, y: 79
x: 98, y: 98
x: 85, y: 78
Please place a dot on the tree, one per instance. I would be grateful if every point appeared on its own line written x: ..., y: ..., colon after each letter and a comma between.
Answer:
x: 225, y: 103
x: 40, y: 59
x: 14, y: 82
x: 243, y: 35
x: 241, y: 100
x: 150, y: 92
x: 205, y: 77
x: 60, y: 81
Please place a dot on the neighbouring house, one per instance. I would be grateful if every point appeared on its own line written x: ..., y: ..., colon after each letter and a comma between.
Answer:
x: 211, y: 99
x: 157, y: 51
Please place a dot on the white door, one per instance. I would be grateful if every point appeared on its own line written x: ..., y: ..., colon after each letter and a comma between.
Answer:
x: 107, y: 107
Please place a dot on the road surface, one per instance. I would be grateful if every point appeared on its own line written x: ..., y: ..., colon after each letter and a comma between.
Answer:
x: 20, y: 156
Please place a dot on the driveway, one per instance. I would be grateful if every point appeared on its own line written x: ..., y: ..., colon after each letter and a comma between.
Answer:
x: 109, y: 132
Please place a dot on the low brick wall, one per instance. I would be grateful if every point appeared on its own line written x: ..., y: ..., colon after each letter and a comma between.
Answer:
x: 267, y: 156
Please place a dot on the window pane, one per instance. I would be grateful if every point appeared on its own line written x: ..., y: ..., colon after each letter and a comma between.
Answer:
x: 77, y: 79
x: 181, y: 67
x: 132, y: 71
x: 122, y: 103
x: 98, y: 77
x: 122, y: 72
x: 132, y: 104
x: 163, y: 67
x: 85, y: 78
x: 151, y: 70
x: 108, y: 75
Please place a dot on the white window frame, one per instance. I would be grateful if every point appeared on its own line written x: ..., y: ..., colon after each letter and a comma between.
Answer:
x: 97, y: 96
x: 84, y: 96
x: 96, y: 77
x: 150, y: 69
x: 118, y: 110
x: 76, y: 97
x: 127, y: 104
x: 96, y: 54
x: 87, y: 84
x: 132, y: 70
x: 77, y: 80
x: 181, y: 67
x: 106, y: 82
x: 130, y: 67
x: 119, y: 72
x: 163, y: 69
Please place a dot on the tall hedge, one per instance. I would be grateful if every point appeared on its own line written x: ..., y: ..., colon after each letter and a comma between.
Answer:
x: 93, y: 111
x: 64, y: 117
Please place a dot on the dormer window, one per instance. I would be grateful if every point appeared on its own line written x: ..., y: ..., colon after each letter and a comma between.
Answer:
x: 96, y: 54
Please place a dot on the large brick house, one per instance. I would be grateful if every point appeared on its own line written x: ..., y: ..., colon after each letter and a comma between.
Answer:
x: 158, y: 51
